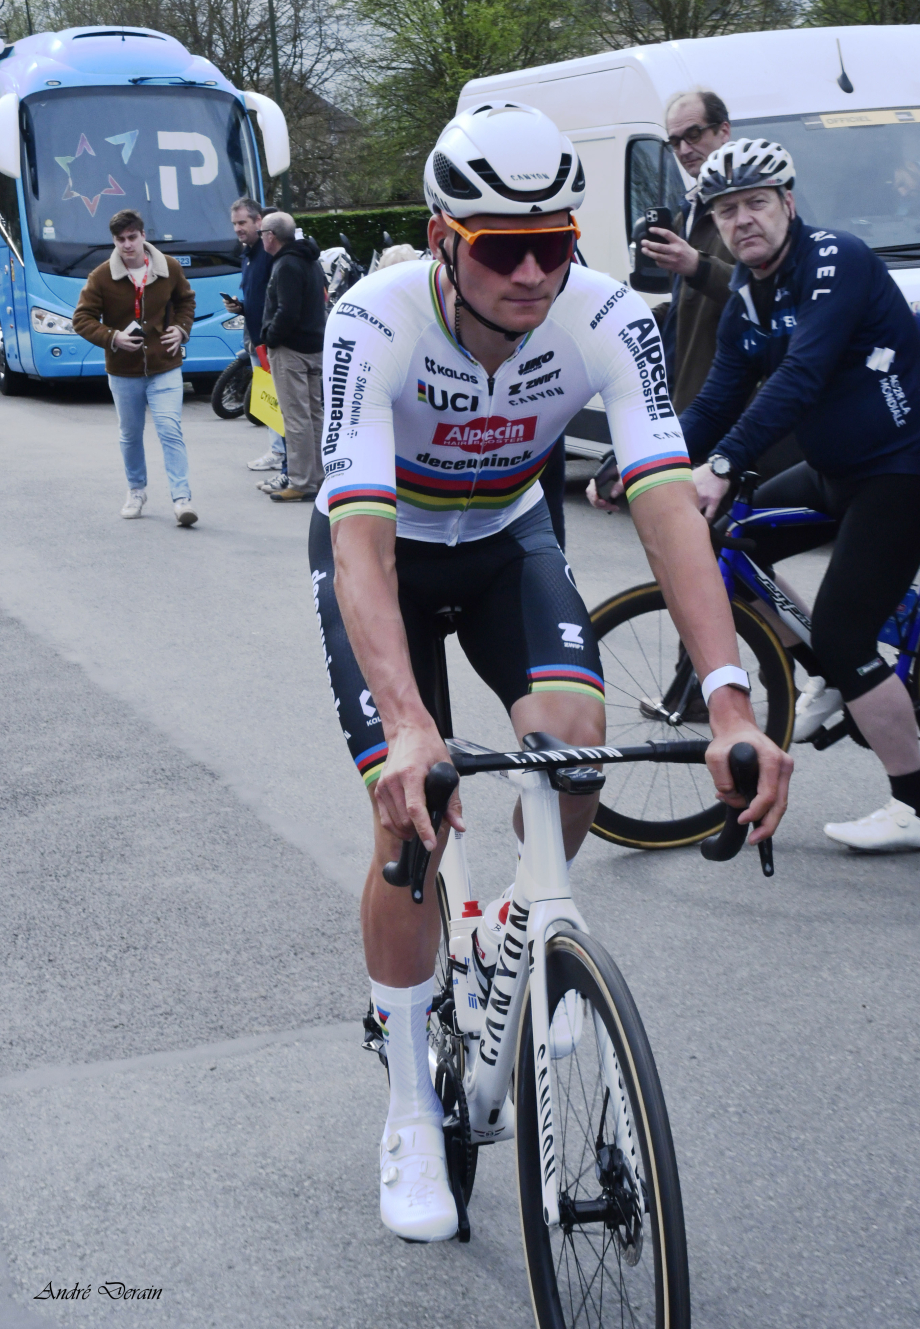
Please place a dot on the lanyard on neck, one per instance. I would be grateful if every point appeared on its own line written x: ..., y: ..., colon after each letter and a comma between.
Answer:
x: 139, y: 290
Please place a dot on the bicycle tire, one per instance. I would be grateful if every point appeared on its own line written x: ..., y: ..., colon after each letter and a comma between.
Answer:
x: 635, y: 1256
x: 654, y: 805
x: 449, y: 1071
x: 228, y: 393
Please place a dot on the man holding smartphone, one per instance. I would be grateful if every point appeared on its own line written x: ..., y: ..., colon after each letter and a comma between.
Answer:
x: 139, y: 307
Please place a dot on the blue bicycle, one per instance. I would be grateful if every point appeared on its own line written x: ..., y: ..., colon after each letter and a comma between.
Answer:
x: 653, y: 692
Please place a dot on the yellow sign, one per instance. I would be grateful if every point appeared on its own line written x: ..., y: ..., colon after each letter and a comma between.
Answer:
x: 263, y: 401
x: 853, y: 119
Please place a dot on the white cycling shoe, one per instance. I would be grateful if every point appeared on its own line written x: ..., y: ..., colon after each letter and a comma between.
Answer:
x: 816, y: 704
x: 894, y: 827
x: 416, y: 1201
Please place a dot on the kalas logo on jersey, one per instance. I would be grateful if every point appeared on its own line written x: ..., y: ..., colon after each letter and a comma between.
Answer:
x: 485, y: 435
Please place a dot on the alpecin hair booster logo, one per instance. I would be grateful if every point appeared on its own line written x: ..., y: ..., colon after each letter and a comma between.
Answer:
x: 485, y: 435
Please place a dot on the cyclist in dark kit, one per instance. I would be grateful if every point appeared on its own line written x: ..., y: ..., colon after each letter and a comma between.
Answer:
x: 816, y: 314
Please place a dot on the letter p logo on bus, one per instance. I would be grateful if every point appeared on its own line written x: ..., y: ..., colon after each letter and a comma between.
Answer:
x: 181, y: 141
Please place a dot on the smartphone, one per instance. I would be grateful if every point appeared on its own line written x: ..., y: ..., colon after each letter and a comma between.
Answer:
x: 134, y: 329
x: 659, y: 217
x: 224, y: 296
x: 608, y: 474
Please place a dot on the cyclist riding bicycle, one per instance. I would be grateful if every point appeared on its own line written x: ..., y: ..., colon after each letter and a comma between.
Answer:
x: 447, y: 384
x: 816, y: 314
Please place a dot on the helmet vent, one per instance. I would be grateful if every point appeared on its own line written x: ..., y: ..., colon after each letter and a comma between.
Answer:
x: 494, y: 181
x: 578, y: 183
x: 451, y: 181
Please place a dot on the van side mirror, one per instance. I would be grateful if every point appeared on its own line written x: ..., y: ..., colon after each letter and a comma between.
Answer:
x: 646, y: 274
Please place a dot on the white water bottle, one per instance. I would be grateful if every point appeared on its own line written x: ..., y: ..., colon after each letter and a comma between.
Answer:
x: 487, y: 940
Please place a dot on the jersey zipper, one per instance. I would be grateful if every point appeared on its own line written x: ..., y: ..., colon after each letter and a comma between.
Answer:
x: 455, y: 533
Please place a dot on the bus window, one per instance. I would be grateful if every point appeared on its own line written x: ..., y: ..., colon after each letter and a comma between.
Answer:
x: 9, y: 216
x: 179, y: 156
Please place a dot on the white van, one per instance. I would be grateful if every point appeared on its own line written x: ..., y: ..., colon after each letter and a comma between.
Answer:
x: 856, y: 153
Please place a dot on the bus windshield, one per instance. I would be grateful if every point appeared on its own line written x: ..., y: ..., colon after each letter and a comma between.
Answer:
x: 179, y: 156
x: 856, y: 171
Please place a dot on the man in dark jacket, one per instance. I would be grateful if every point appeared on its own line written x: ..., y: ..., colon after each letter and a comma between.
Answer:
x: 246, y: 218
x: 697, y: 123
x: 293, y: 324
x: 816, y: 317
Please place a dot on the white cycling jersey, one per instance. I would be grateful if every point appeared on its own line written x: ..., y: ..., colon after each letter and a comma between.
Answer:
x: 416, y: 430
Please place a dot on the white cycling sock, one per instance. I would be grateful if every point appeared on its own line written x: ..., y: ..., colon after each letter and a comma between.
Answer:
x: 403, y: 1014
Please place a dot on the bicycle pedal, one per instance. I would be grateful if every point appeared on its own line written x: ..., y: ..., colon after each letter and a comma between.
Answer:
x: 825, y: 738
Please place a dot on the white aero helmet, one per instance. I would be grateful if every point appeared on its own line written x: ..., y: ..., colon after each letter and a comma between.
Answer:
x: 505, y: 158
x: 745, y: 163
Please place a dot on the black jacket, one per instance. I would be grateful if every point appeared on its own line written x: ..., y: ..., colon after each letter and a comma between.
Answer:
x: 295, y: 306
x: 841, y: 359
x: 256, y: 269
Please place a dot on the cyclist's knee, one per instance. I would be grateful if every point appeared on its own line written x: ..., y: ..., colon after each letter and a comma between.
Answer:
x: 569, y: 716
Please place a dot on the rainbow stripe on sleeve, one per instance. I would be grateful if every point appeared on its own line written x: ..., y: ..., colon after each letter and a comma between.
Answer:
x: 660, y: 469
x: 370, y: 763
x: 566, y: 678
x: 362, y: 501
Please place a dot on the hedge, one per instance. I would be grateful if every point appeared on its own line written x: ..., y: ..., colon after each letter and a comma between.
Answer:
x: 407, y: 225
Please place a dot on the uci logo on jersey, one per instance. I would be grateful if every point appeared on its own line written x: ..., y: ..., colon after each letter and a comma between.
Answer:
x: 440, y: 399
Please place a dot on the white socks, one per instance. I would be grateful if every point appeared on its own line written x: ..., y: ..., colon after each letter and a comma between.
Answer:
x: 403, y: 1015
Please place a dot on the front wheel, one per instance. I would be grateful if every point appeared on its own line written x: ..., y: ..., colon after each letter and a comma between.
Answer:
x: 228, y: 397
x: 619, y: 1254
x: 11, y: 383
x: 652, y: 693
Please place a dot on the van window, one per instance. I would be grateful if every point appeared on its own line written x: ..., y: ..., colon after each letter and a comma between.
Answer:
x: 653, y: 179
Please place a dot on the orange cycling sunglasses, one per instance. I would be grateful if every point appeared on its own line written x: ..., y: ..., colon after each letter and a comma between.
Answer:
x: 502, y: 251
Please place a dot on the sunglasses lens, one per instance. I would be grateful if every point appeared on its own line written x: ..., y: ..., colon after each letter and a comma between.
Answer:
x: 502, y: 254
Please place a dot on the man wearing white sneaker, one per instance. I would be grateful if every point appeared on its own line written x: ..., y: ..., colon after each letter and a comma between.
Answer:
x: 815, y: 317
x: 140, y: 307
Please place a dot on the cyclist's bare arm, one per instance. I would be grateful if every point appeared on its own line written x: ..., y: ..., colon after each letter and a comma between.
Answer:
x: 368, y: 596
x: 676, y: 540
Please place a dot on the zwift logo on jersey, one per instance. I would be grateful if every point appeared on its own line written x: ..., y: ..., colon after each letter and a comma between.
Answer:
x: 485, y: 435
x: 644, y: 344
x: 440, y: 399
x: 357, y: 311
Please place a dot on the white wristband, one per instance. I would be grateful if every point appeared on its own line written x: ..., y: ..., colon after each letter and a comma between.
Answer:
x: 728, y: 675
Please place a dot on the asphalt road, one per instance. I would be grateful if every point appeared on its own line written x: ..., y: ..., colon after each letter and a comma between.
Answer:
x: 184, y: 1100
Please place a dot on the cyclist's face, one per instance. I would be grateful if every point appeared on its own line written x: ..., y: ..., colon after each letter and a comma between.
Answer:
x: 753, y: 223
x: 519, y: 301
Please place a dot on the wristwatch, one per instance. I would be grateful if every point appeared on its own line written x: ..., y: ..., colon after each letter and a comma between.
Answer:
x: 721, y: 466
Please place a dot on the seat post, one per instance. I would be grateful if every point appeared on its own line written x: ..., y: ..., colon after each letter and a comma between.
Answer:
x: 442, y: 714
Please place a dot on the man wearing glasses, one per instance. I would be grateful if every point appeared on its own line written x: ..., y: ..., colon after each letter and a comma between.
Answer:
x: 697, y: 123
x: 446, y: 386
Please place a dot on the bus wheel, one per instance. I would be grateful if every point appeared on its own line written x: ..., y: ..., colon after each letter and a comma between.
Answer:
x: 11, y: 383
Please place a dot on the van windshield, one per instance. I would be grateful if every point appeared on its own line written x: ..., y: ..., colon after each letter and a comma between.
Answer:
x: 855, y: 171
x: 179, y: 156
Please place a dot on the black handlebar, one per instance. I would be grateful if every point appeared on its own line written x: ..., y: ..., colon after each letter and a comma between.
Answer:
x: 742, y: 761
x: 412, y: 864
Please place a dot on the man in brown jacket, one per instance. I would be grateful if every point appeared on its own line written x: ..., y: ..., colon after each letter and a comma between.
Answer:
x: 697, y: 123
x: 140, y: 307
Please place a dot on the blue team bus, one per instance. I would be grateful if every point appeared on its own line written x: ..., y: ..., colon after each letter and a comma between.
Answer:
x: 97, y: 119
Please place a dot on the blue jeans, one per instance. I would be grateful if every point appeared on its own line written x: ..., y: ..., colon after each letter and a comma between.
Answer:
x: 163, y: 394
x: 276, y: 441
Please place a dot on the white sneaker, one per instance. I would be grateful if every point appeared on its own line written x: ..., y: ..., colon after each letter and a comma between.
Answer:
x: 894, y: 827
x: 274, y: 484
x: 271, y: 461
x: 816, y: 704
x: 134, y: 503
x: 185, y: 513
x: 416, y: 1201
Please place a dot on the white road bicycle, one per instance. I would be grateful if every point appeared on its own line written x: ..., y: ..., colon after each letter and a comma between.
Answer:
x: 558, y: 1058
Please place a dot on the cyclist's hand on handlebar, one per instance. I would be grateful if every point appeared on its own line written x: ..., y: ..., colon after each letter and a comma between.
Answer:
x: 608, y: 504
x: 775, y: 771
x: 710, y: 490
x: 400, y: 791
